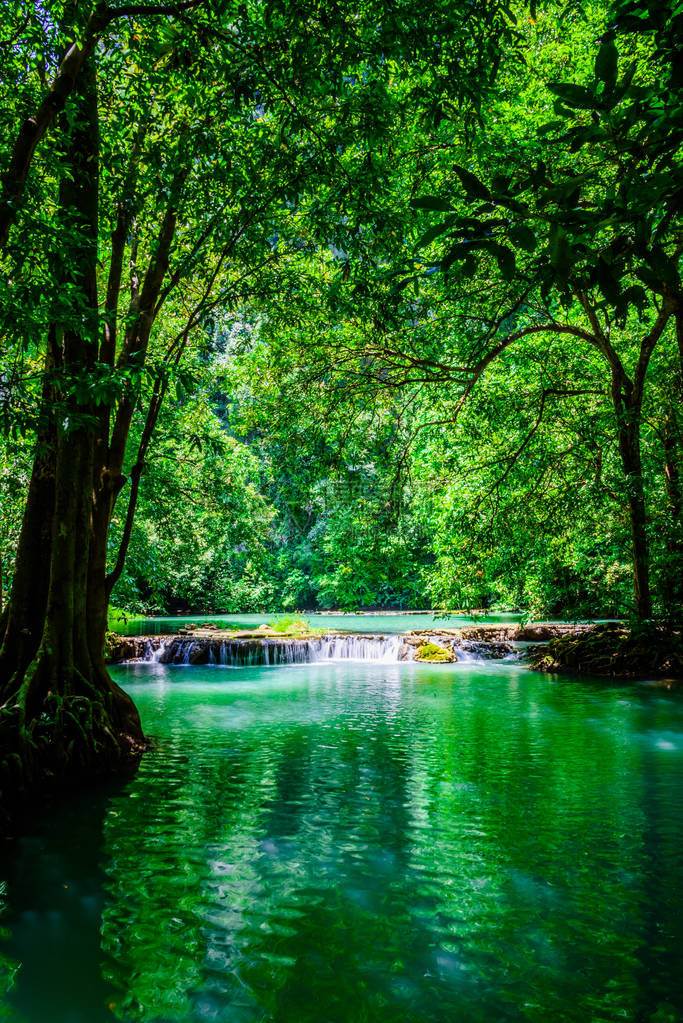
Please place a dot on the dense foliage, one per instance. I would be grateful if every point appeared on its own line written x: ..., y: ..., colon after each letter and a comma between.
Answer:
x: 417, y: 341
x: 160, y: 162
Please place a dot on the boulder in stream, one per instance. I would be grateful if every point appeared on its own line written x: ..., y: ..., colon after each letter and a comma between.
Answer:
x: 432, y: 653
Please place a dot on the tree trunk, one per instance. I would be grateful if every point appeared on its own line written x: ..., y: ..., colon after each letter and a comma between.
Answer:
x: 627, y: 409
x: 671, y: 472
x: 672, y: 434
x: 62, y: 718
x: 22, y: 624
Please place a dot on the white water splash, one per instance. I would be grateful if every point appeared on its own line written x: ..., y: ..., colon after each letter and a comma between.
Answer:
x: 274, y: 650
x: 387, y: 649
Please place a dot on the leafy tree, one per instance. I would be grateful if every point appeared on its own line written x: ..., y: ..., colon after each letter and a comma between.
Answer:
x: 201, y: 535
x: 592, y: 238
x: 185, y: 155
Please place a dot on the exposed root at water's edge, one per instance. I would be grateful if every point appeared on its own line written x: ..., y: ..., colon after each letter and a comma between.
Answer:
x: 62, y: 730
x: 614, y: 651
x: 72, y: 747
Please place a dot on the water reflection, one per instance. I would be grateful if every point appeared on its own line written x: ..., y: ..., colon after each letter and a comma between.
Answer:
x: 367, y: 842
x: 51, y: 961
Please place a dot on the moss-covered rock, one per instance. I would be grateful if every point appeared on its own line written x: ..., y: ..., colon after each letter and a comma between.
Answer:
x: 431, y: 653
x: 614, y: 651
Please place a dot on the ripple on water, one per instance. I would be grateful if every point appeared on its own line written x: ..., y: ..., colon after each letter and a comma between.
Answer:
x: 370, y: 843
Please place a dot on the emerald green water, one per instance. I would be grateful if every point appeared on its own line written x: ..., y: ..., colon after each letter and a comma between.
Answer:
x: 378, y: 623
x: 360, y: 842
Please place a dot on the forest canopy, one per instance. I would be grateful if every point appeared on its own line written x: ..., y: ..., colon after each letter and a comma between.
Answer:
x: 382, y: 309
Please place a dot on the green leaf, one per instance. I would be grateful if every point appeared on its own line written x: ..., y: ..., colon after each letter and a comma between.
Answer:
x: 625, y: 83
x: 609, y: 284
x: 430, y: 202
x: 665, y: 267
x: 576, y: 96
x: 637, y: 296
x: 434, y: 232
x: 500, y: 183
x: 506, y: 262
x: 578, y: 137
x: 650, y: 280
x: 512, y: 204
x: 474, y: 188
x: 523, y: 236
x: 564, y: 189
x: 559, y: 250
x: 458, y: 251
x: 549, y: 126
x: 607, y: 63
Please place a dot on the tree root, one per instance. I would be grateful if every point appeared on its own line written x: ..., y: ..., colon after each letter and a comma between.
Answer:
x: 615, y: 652
x: 55, y: 738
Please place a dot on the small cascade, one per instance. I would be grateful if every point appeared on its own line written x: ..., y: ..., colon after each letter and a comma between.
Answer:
x: 275, y: 650
x: 278, y: 650
x: 388, y: 649
x: 148, y: 650
x: 133, y: 649
x: 467, y: 656
x: 159, y: 651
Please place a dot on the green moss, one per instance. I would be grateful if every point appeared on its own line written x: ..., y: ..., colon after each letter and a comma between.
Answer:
x: 292, y: 625
x: 111, y: 641
x: 617, y: 651
x: 433, y: 653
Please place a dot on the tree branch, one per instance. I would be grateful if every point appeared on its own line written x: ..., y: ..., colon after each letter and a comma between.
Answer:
x: 35, y: 127
x: 138, y: 334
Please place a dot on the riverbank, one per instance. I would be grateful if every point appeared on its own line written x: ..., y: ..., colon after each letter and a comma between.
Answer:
x: 556, y: 648
x: 613, y: 651
x: 210, y: 644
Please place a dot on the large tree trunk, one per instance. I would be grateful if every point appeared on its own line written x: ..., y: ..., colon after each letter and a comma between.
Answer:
x: 672, y: 434
x: 21, y: 625
x: 672, y: 476
x: 672, y: 573
x: 627, y: 409
x: 62, y: 718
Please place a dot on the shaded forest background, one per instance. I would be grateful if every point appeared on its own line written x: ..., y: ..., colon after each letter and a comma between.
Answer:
x: 328, y: 439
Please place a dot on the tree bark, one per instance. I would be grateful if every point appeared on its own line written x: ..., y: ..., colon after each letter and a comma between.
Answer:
x: 671, y: 471
x: 62, y: 718
x: 627, y: 400
x: 110, y: 453
x: 672, y: 434
x: 34, y: 128
x: 22, y: 623
x: 627, y: 407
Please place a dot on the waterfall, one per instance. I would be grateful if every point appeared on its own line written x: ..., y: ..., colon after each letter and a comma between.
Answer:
x: 388, y: 649
x: 273, y: 650
x: 276, y: 650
